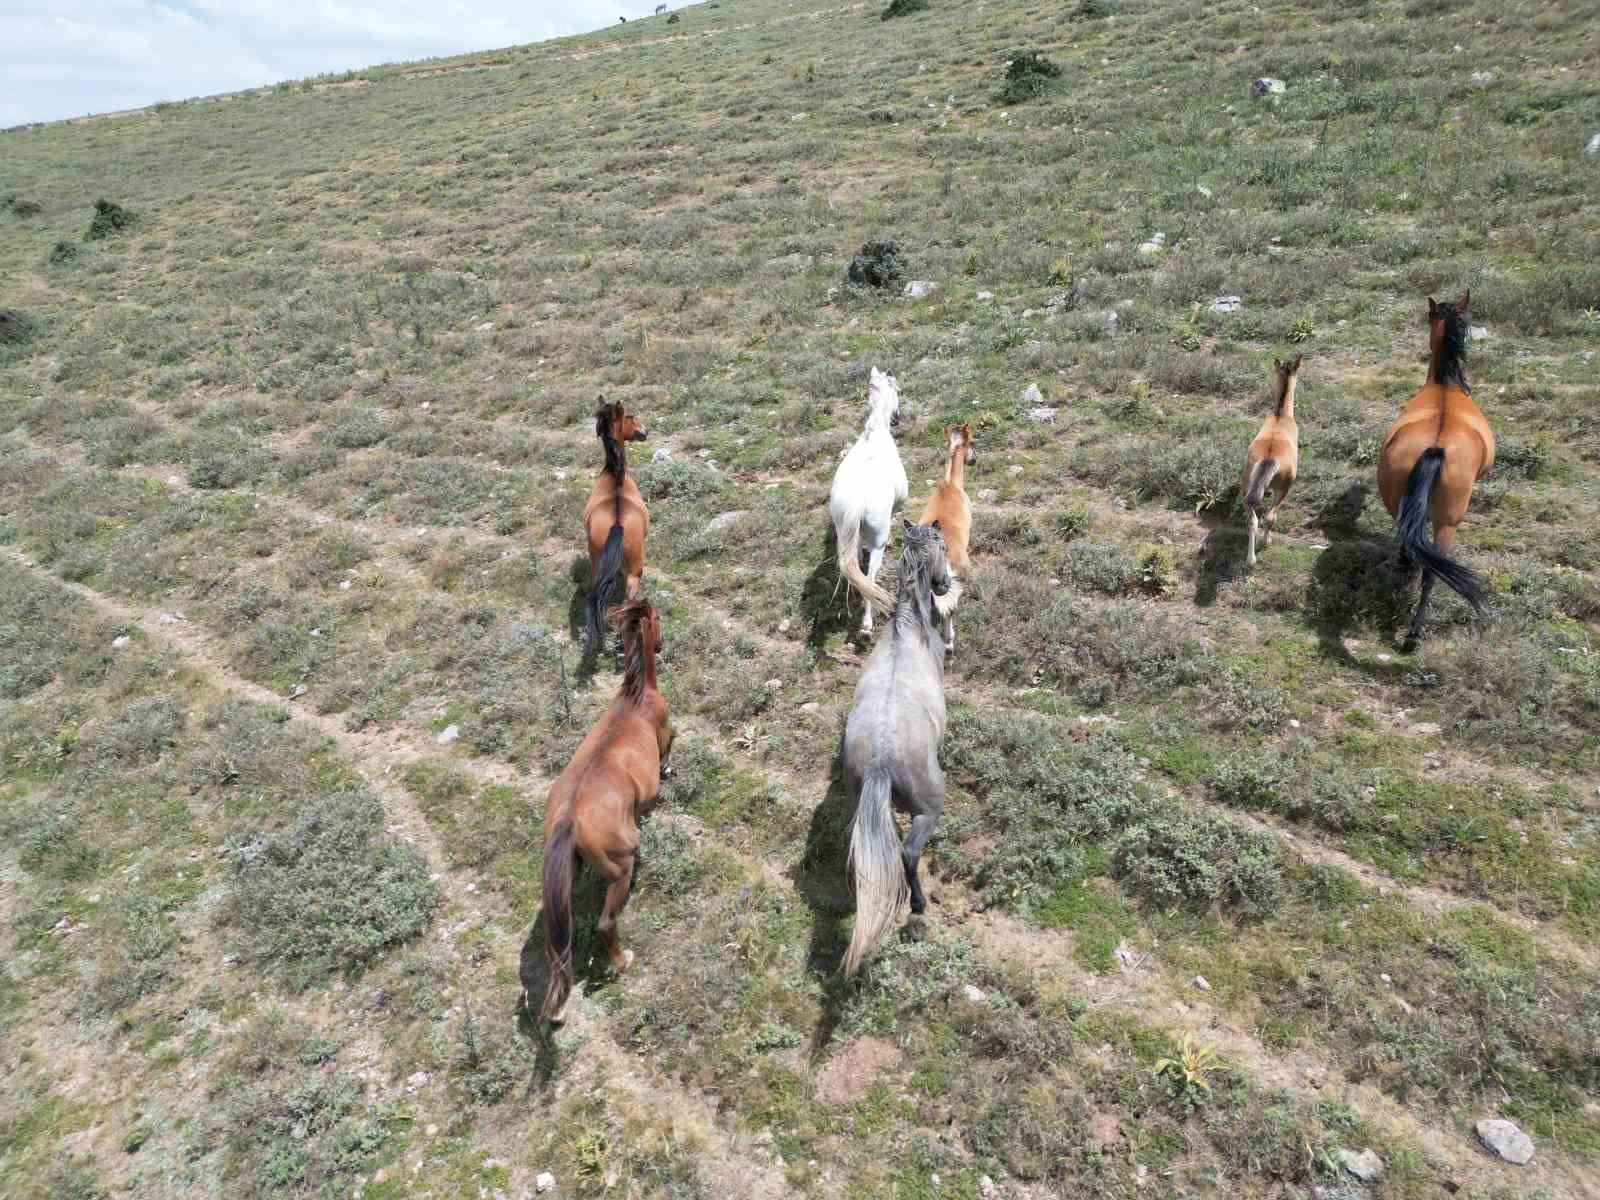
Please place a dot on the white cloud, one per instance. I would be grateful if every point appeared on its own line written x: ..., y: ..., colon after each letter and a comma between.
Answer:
x: 64, y: 58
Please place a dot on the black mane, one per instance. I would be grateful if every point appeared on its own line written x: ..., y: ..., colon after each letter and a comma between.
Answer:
x: 1450, y: 368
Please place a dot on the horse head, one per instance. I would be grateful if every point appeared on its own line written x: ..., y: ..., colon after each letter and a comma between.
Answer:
x: 960, y: 441
x: 883, y: 398
x: 1447, y: 339
x: 615, y: 421
x: 926, y: 543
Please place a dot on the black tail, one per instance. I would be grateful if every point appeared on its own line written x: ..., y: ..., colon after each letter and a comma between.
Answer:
x: 558, y: 919
x: 1260, y: 481
x: 605, y: 584
x: 1411, y: 530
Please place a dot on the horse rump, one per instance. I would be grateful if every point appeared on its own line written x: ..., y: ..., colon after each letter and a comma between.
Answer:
x: 875, y: 866
x: 847, y: 533
x: 1411, y: 530
x: 1260, y: 481
x: 606, y: 577
x: 558, y: 866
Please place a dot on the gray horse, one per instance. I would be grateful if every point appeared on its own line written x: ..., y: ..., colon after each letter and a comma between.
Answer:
x: 891, y: 748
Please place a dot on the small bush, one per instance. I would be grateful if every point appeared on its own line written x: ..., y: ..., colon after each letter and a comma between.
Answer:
x: 878, y: 264
x: 1098, y: 566
x: 19, y: 207
x: 64, y: 252
x: 679, y: 479
x: 141, y: 731
x: 489, y: 1067
x: 17, y: 329
x: 356, y: 429
x: 329, y: 892
x: 903, y: 8
x: 109, y: 218
x: 1027, y: 76
x: 1190, y: 856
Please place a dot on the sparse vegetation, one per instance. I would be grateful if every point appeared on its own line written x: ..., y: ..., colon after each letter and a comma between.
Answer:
x: 878, y: 264
x: 903, y: 8
x: 1028, y: 75
x: 109, y: 218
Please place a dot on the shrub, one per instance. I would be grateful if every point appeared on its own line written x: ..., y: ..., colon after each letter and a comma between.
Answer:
x: 19, y: 206
x: 329, y: 892
x: 141, y: 731
x: 1027, y: 76
x: 489, y: 1067
x: 16, y: 327
x: 64, y: 252
x: 903, y: 8
x: 356, y: 429
x: 679, y: 479
x: 109, y: 218
x: 878, y: 264
x: 1184, y: 855
x: 1098, y: 566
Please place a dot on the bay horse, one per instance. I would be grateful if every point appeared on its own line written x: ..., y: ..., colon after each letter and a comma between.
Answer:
x: 616, y: 518
x: 951, y: 510
x: 1274, y: 457
x: 891, y: 748
x: 869, y: 487
x: 1437, y: 448
x: 594, y: 806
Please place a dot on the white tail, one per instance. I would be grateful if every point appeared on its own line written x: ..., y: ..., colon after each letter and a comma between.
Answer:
x: 848, y: 535
x: 875, y: 865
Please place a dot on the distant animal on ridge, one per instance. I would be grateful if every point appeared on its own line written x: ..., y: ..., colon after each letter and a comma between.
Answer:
x: 660, y: 8
x: 1437, y: 448
x: 951, y: 510
x: 616, y: 518
x: 594, y: 806
x: 869, y: 487
x: 1274, y: 456
x: 891, y: 748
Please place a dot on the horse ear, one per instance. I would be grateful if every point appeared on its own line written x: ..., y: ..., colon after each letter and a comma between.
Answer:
x: 1432, y: 305
x: 966, y: 431
x: 1466, y: 297
x: 1277, y: 364
x: 1295, y: 366
x: 936, y: 522
x: 909, y: 526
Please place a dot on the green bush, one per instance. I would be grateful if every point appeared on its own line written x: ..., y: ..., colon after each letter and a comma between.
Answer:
x: 903, y: 8
x: 678, y: 479
x: 329, y: 892
x: 20, y: 207
x: 878, y: 264
x: 1181, y: 855
x: 64, y: 252
x: 109, y: 218
x: 141, y: 731
x: 16, y: 327
x: 1027, y: 75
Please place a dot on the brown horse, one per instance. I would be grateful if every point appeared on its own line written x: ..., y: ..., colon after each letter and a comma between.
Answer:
x: 1274, y: 456
x: 950, y: 509
x: 616, y: 518
x: 1438, y: 447
x: 595, y: 804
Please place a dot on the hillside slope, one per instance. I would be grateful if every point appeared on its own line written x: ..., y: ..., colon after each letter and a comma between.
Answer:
x: 292, y: 470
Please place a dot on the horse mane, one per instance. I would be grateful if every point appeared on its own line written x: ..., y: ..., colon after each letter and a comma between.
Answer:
x: 630, y: 618
x: 616, y: 455
x: 1280, y: 390
x: 914, y: 570
x: 1450, y: 370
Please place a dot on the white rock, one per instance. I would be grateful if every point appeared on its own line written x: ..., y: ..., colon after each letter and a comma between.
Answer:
x: 486, y: 327
x: 1203, y: 190
x: 1506, y: 1140
x: 1482, y: 78
x: 299, y: 690
x: 1266, y: 86
x: 799, y: 116
x: 344, y: 585
x: 1365, y: 1166
x: 1014, y: 469
x: 1201, y: 982
x: 1593, y: 146
x: 448, y: 734
x: 171, y: 618
x: 985, y: 1187
x: 1033, y: 395
x: 1043, y: 415
x: 974, y: 994
x: 544, y: 1182
x: 120, y: 641
x: 660, y: 455
x: 1227, y: 304
x: 774, y: 684
x: 919, y: 288
x: 419, y: 1079
x: 988, y: 495
x: 1111, y: 318
x: 1478, y: 333
x: 990, y: 295
x: 1153, y: 246
x: 723, y: 520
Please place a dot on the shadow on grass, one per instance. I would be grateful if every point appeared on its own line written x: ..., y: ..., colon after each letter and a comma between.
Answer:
x: 1222, y: 555
x: 820, y: 878
x: 825, y: 598
x: 577, y: 621
x: 1358, y: 582
x: 592, y: 970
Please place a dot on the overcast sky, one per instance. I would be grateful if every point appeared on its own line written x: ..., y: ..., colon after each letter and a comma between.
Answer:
x: 65, y: 58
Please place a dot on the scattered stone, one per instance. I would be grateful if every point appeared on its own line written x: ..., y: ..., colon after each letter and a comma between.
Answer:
x: 1154, y: 245
x: 1365, y: 1166
x: 661, y: 454
x: 1033, y: 395
x: 988, y: 495
x: 1057, y: 301
x: 1042, y: 415
x: 973, y: 994
x: 1014, y: 469
x: 344, y: 585
x: 1203, y: 190
x: 773, y: 685
x: 448, y: 734
x: 1227, y: 304
x: 990, y: 295
x: 723, y: 520
x: 171, y: 618
x: 917, y: 289
x: 486, y: 327
x: 544, y: 1182
x: 1506, y: 1140
x: 120, y: 641
x: 1266, y: 86
x: 1478, y: 333
x: 986, y: 1187
x: 1111, y: 318
x: 1482, y: 78
x: 299, y: 690
x: 1201, y: 982
x: 1593, y: 146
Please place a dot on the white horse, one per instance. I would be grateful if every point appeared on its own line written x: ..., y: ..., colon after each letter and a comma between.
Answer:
x: 868, y: 489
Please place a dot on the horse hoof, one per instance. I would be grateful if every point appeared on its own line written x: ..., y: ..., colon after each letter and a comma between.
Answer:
x: 916, y: 927
x: 627, y: 960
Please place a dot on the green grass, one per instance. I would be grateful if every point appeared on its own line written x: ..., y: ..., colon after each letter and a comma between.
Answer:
x: 330, y: 398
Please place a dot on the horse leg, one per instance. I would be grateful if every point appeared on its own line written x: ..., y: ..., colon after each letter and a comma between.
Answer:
x: 910, y: 853
x: 950, y: 632
x: 874, y: 565
x: 1444, y: 537
x: 1250, y: 554
x: 620, y: 878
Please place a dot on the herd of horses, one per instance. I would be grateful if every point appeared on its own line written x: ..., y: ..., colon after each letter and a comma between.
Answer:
x: 1436, y: 450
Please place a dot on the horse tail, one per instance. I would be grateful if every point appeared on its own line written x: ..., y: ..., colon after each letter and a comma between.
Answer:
x: 848, y: 535
x: 606, y: 577
x: 946, y: 604
x: 1260, y: 480
x: 558, y: 918
x: 1411, y: 529
x: 875, y: 864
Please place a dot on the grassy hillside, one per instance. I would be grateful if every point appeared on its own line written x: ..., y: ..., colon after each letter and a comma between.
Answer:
x: 292, y: 469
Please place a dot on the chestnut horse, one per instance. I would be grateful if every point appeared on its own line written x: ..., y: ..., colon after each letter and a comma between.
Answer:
x: 595, y: 804
x: 616, y: 517
x: 1438, y: 447
x: 950, y: 509
x: 1274, y: 456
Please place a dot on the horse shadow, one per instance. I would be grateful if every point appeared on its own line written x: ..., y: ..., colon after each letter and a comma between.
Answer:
x: 821, y: 879
x: 1358, y: 581
x: 578, y: 619
x: 591, y: 971
x: 1222, y: 556
x: 825, y: 598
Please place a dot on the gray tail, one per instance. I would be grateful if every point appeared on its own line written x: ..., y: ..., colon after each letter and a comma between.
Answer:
x: 606, y: 577
x: 1260, y: 482
x: 1411, y: 530
x: 875, y: 865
